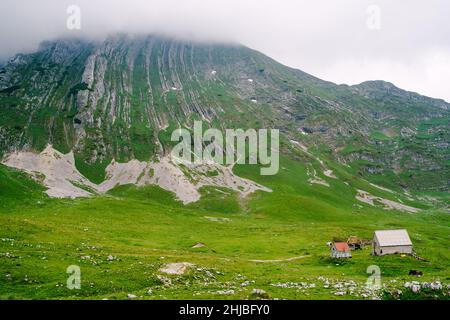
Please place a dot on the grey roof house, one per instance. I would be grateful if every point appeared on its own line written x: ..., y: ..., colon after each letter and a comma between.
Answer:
x: 391, y: 242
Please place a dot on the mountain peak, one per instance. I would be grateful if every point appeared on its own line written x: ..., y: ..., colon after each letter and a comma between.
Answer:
x: 122, y: 97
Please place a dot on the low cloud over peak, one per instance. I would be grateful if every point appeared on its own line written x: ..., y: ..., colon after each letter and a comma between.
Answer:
x: 349, y: 41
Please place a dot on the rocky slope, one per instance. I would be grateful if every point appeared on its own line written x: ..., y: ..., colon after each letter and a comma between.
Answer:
x: 58, y: 173
x: 119, y: 100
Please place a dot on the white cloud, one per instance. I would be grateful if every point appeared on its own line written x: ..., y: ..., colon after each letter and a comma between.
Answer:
x: 327, y: 38
x: 428, y: 74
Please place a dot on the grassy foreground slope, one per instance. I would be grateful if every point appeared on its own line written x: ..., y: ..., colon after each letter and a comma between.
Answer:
x: 271, y: 241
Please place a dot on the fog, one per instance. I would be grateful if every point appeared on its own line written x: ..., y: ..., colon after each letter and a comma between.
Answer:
x: 406, y: 42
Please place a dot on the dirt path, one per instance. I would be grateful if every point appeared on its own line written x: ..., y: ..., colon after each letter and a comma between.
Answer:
x: 280, y: 260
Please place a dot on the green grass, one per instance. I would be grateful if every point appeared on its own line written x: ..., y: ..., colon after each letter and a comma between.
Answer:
x: 379, y: 136
x: 146, y: 228
x: 94, y: 172
x: 79, y: 87
x: 18, y: 190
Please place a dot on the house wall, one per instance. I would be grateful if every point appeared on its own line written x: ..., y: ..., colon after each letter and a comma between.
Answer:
x: 392, y: 250
x: 339, y: 254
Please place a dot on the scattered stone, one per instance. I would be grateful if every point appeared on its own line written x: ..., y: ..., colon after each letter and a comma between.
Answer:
x: 296, y: 285
x: 177, y: 268
x: 166, y: 281
x: 436, y: 286
x: 225, y: 292
x: 8, y: 255
x: 217, y: 219
x: 415, y: 288
x: 259, y: 294
x: 338, y: 286
x: 318, y: 180
x: 131, y: 296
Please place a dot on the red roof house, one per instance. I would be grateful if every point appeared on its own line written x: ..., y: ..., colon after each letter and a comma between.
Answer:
x: 340, y: 250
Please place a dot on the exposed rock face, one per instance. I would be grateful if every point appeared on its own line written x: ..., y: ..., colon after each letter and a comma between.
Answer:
x: 64, y: 180
x: 60, y: 174
x: 122, y: 97
x: 387, y: 204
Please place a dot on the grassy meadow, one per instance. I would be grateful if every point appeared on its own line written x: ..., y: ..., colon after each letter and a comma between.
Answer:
x: 271, y: 241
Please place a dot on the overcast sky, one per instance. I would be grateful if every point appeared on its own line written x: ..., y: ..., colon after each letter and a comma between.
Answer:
x: 406, y: 42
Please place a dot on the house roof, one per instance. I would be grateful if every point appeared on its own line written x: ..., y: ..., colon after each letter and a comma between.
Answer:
x: 387, y: 238
x: 342, y: 246
x: 353, y: 240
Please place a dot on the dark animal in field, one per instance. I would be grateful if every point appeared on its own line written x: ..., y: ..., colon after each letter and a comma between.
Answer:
x: 416, y: 273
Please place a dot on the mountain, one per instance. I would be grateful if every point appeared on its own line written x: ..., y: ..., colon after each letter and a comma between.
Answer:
x: 93, y: 121
x: 119, y: 100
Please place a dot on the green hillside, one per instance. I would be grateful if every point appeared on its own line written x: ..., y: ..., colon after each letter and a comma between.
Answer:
x: 144, y: 229
x: 115, y: 101
x: 121, y: 98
